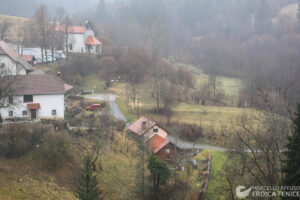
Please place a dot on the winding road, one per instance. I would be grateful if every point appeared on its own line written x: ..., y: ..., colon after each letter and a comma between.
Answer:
x: 117, y: 113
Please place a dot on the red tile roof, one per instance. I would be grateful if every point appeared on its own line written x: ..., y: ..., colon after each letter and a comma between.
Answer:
x: 137, y: 128
x: 31, y: 106
x: 156, y: 143
x: 28, y: 58
x: 72, y: 29
x: 91, y: 40
x: 5, y: 49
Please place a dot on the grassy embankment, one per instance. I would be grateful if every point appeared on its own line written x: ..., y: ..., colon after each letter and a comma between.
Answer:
x: 25, y: 177
x: 15, y: 22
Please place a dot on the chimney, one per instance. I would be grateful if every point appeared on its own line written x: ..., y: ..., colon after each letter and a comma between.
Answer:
x: 144, y: 125
x: 155, y: 130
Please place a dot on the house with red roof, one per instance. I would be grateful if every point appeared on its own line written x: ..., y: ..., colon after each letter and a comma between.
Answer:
x: 141, y: 126
x: 29, y: 58
x: 154, y: 137
x: 81, y: 39
x: 162, y: 148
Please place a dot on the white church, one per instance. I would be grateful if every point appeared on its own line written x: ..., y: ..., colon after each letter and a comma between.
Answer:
x: 34, y: 94
x: 81, y: 39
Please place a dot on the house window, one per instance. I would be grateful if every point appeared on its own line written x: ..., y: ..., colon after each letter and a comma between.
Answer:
x: 10, y: 100
x: 28, y: 98
x: 53, y: 112
x: 10, y: 113
x: 24, y: 112
x: 70, y: 47
x: 167, y: 150
x: 2, y: 65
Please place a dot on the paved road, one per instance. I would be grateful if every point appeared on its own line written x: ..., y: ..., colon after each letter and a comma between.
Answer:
x: 111, y: 99
x: 116, y: 112
x: 188, y: 145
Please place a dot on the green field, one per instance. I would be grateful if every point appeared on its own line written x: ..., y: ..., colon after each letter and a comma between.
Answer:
x: 230, y: 86
x: 216, y: 179
x: 93, y: 82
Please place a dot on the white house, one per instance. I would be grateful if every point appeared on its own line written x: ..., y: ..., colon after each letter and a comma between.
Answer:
x: 11, y: 62
x: 34, y: 94
x: 81, y: 39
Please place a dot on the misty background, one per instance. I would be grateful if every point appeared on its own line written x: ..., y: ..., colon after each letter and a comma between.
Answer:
x: 257, y: 41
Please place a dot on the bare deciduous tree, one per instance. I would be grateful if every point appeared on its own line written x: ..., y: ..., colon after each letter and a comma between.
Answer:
x: 42, y: 18
x: 4, y: 27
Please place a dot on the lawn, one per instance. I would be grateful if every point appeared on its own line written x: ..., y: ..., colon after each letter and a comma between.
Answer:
x: 213, y: 119
x: 93, y: 83
x: 216, y: 122
x: 215, y: 179
x: 230, y: 86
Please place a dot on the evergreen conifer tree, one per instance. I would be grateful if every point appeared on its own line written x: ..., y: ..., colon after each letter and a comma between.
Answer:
x: 292, y: 162
x: 87, y: 184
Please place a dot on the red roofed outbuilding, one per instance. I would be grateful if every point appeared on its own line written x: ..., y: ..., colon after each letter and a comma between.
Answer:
x: 162, y: 148
x: 29, y: 58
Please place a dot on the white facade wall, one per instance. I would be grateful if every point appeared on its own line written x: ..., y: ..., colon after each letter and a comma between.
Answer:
x: 88, y: 33
x: 47, y: 103
x: 11, y: 66
x: 78, y: 43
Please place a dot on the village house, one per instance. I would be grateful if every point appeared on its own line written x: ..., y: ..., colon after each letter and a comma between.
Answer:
x: 141, y: 126
x: 162, y: 148
x: 30, y: 59
x: 81, y: 39
x: 154, y: 137
x: 11, y: 63
x: 34, y: 94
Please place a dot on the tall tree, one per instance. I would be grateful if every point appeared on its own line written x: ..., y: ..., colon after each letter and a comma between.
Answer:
x: 66, y: 24
x: 292, y: 162
x: 88, y: 184
x: 41, y: 18
x: 159, y: 173
x: 4, y: 26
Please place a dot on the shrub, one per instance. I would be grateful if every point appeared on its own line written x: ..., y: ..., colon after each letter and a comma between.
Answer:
x: 190, y: 132
x: 17, y: 139
x: 55, y: 150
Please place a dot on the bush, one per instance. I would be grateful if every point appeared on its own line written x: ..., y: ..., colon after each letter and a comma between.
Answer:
x: 18, y: 139
x: 190, y: 132
x: 55, y: 150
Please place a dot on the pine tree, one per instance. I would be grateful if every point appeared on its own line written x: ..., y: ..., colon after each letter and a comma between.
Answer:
x: 292, y: 162
x: 87, y: 184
